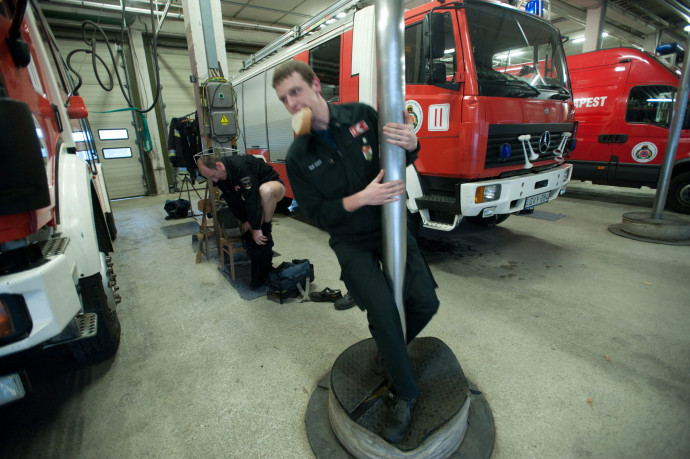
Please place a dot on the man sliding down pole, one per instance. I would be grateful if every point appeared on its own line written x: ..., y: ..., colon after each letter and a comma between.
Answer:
x: 335, y: 172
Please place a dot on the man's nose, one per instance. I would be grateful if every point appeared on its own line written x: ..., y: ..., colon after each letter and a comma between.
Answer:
x: 292, y: 104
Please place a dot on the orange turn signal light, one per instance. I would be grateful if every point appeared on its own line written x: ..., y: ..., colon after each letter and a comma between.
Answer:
x: 6, y: 325
x: 479, y: 195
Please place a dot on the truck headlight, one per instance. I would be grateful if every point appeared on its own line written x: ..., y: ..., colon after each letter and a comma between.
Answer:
x: 487, y: 193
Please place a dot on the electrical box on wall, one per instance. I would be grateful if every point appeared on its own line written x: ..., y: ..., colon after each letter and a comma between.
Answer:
x: 220, y: 104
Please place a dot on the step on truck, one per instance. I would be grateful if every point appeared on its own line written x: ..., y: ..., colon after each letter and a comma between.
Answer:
x: 623, y: 104
x: 57, y: 285
x: 487, y: 88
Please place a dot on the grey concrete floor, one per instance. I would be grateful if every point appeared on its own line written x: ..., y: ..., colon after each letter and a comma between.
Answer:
x: 578, y: 338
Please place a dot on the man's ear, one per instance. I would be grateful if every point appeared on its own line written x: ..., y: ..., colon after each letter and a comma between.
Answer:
x: 316, y: 84
x: 220, y: 166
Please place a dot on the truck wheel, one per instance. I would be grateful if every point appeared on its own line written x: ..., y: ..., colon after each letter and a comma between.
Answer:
x: 489, y: 222
x: 679, y: 193
x: 107, y: 339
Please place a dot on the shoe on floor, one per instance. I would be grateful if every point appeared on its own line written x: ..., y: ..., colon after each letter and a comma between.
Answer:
x: 326, y: 294
x: 398, y: 418
x: 345, y: 302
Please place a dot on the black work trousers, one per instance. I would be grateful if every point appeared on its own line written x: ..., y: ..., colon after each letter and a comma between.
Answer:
x: 365, y: 280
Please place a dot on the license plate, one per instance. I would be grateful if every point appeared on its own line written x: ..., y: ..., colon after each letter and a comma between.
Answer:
x: 536, y: 200
x: 11, y: 388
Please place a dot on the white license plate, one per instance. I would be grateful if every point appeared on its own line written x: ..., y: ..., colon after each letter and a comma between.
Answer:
x: 11, y: 388
x: 536, y: 200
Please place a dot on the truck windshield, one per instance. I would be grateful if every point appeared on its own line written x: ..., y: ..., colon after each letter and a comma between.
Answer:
x: 515, y: 54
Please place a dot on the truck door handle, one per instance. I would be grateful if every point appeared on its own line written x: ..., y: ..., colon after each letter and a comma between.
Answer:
x: 620, y: 138
x: 606, y: 138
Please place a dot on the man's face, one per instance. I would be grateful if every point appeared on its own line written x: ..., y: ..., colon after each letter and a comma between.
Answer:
x: 213, y: 174
x: 296, y: 93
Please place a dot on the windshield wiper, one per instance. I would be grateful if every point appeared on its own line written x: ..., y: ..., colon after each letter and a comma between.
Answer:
x: 523, y: 85
x: 563, y: 93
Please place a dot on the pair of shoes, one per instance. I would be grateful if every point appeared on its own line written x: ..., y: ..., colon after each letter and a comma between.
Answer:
x: 345, y: 302
x: 326, y: 294
x: 397, y: 418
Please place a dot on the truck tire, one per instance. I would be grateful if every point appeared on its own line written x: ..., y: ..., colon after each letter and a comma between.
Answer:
x: 679, y: 193
x: 107, y: 340
x: 489, y: 222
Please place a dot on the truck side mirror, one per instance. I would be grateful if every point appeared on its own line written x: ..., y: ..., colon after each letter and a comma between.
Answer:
x: 433, y: 35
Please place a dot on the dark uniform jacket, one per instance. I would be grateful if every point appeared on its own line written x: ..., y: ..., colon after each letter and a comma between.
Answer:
x: 240, y: 189
x: 321, y: 175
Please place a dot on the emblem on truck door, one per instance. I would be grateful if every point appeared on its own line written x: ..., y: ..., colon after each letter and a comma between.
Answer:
x: 544, y: 142
x: 644, y: 152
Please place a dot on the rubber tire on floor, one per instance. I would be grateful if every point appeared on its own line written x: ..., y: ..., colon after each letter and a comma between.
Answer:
x: 107, y: 340
x: 675, y: 200
x: 489, y: 222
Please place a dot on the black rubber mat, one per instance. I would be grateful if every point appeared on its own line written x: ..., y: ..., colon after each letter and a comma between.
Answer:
x: 443, y: 387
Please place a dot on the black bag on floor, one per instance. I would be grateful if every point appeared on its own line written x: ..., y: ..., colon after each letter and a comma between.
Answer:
x: 284, y: 279
x: 178, y: 208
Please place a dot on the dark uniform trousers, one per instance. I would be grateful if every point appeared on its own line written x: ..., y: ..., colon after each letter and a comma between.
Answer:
x: 362, y: 272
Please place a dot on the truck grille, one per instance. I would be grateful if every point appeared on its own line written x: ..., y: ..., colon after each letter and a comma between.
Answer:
x: 500, y: 134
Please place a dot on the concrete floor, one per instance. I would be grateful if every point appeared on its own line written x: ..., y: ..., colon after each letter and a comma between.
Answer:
x: 578, y: 338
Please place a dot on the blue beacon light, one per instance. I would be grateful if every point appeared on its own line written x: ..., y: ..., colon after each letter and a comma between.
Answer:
x: 504, y: 151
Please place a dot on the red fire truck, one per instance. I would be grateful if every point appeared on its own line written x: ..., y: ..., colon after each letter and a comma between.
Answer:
x: 623, y: 104
x: 56, y: 280
x: 493, y: 138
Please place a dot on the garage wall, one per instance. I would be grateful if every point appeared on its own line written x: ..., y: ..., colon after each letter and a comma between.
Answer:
x: 122, y: 168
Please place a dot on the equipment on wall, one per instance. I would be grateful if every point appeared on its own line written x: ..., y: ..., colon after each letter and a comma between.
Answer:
x: 218, y: 100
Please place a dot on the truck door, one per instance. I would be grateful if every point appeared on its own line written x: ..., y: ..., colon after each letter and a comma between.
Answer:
x: 599, y: 97
x: 642, y: 130
x: 434, y: 94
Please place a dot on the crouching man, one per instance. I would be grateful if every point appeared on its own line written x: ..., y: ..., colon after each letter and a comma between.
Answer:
x: 252, y: 189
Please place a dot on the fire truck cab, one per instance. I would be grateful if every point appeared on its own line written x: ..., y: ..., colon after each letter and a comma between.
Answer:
x: 623, y: 103
x: 57, y: 285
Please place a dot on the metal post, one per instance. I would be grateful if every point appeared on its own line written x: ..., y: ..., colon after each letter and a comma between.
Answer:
x: 677, y: 117
x: 391, y: 101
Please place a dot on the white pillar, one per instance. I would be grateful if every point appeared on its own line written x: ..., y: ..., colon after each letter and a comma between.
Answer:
x: 594, y: 27
x: 156, y: 156
x: 205, y: 42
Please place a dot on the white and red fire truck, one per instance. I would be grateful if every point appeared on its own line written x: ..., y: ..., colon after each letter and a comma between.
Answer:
x: 623, y: 103
x: 487, y: 88
x: 56, y: 228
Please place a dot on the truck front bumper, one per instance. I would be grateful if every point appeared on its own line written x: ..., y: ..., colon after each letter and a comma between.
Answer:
x: 505, y: 196
x: 51, y: 299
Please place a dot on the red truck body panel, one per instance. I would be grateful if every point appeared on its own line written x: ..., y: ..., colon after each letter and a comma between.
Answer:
x: 623, y: 103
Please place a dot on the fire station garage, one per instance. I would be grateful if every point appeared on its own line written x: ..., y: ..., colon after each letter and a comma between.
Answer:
x: 215, y: 271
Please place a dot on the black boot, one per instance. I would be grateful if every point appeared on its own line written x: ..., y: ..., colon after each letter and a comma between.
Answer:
x: 266, y: 228
x: 397, y: 418
x: 261, y: 257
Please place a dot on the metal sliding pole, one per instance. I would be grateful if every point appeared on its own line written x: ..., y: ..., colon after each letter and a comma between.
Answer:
x: 677, y: 118
x: 391, y: 101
